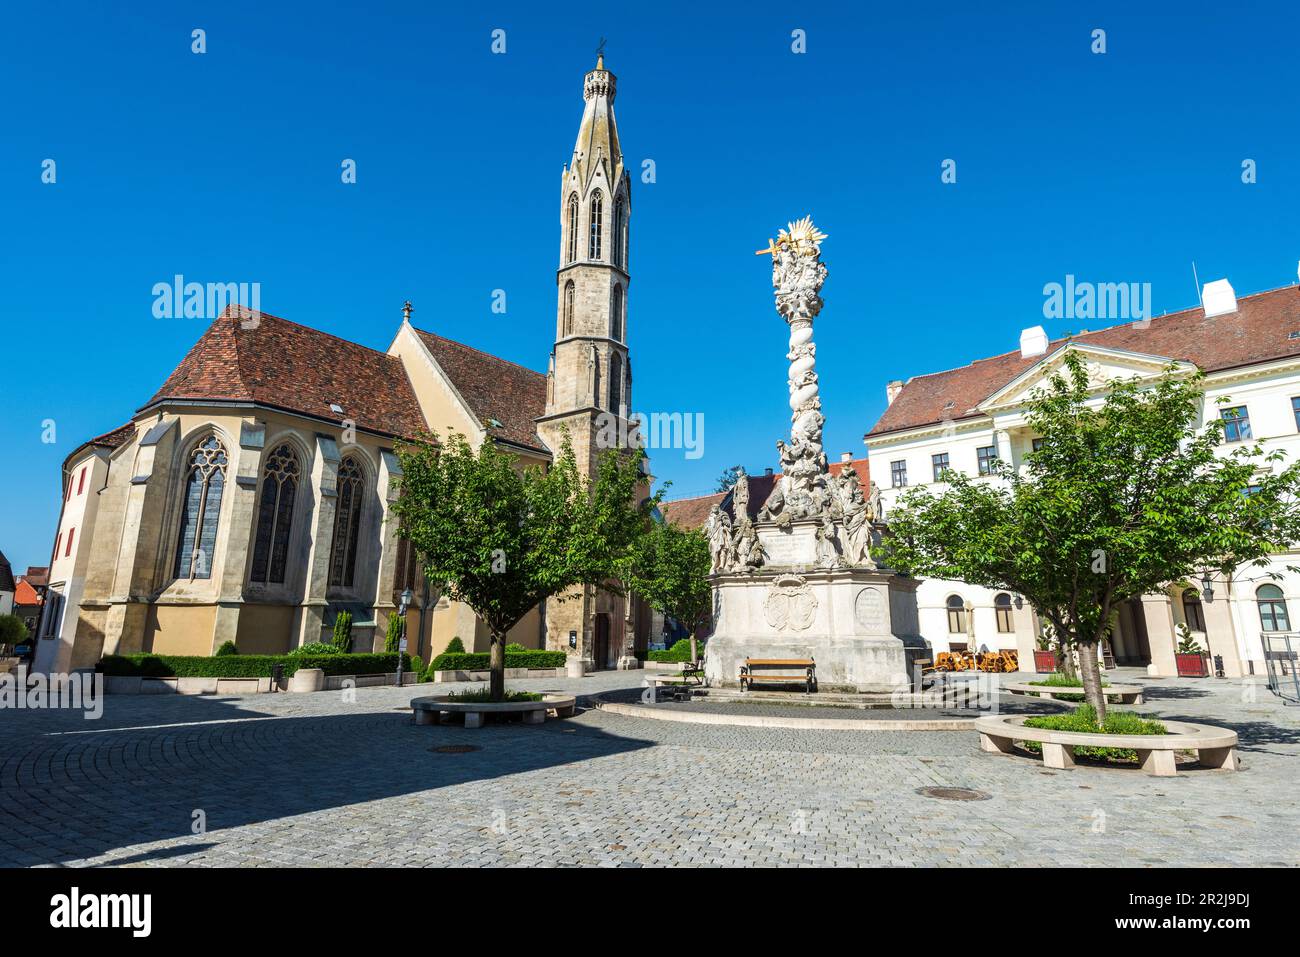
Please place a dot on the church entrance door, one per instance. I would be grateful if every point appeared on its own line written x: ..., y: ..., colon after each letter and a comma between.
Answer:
x: 601, y: 651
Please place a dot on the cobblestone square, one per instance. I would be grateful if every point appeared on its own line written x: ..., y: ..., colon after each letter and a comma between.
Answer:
x: 305, y: 780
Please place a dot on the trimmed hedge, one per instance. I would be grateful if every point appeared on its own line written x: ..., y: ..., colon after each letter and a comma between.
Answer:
x: 243, y: 666
x: 679, y: 652
x: 448, y: 661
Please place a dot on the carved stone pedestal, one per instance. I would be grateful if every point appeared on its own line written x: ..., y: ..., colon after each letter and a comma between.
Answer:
x: 859, y: 624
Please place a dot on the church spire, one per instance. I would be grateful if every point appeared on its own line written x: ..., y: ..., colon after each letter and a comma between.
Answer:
x: 590, y: 358
x: 597, y: 146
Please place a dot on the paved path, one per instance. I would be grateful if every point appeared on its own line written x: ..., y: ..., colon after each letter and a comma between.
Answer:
x: 314, y: 779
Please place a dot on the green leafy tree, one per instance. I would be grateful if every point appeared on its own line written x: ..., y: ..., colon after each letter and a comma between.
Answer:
x: 13, y: 630
x: 1123, y: 498
x: 669, y: 567
x: 504, y: 539
x: 728, y: 478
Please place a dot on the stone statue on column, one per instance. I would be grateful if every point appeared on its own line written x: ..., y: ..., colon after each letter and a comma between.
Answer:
x: 797, y: 277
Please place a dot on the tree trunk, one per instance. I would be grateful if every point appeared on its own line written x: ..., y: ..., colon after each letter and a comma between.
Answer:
x: 695, y: 649
x: 1065, y: 659
x: 1091, y: 674
x: 497, y: 668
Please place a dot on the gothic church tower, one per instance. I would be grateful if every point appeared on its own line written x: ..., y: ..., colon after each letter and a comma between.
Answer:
x: 590, y: 375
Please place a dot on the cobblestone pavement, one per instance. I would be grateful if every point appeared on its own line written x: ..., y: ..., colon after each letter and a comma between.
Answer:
x: 317, y: 780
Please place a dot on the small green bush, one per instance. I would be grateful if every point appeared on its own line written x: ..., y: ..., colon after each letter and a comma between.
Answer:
x: 454, y: 647
x: 515, y: 646
x: 679, y: 652
x: 243, y: 666
x: 1058, y: 680
x: 1084, y: 718
x: 514, y: 659
x: 227, y: 648
x: 393, y: 638
x: 316, y: 648
x: 343, y: 631
x: 483, y: 694
x: 417, y: 666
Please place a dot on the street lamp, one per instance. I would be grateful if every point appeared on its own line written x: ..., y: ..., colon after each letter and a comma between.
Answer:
x: 401, y: 644
x: 1207, y: 585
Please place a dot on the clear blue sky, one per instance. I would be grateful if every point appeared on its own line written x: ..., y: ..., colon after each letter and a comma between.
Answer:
x: 225, y: 167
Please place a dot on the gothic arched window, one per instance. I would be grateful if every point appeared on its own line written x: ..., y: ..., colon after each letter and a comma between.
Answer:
x: 615, y: 382
x: 347, y: 523
x: 275, y: 516
x: 205, y: 480
x: 573, y: 228
x: 593, y: 247
x: 567, y: 326
x: 616, y: 314
x: 620, y: 242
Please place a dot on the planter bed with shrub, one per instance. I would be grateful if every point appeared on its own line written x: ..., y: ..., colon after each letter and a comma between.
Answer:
x: 679, y: 653
x: 471, y: 666
x: 232, y: 674
x: 1058, y: 680
x: 1084, y: 719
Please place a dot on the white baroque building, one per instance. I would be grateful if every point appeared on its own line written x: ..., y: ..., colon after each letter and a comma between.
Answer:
x: 964, y: 418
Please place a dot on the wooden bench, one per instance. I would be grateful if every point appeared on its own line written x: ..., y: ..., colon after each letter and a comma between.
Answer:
x: 1215, y: 747
x: 808, y: 679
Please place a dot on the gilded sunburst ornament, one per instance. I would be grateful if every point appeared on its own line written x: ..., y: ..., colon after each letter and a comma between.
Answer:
x: 802, y: 238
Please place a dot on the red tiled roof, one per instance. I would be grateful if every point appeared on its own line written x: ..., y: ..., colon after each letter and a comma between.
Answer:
x: 109, y: 440
x: 25, y: 594
x: 1256, y: 332
x: 494, y: 389
x: 692, y: 512
x: 38, y: 575
x: 283, y: 365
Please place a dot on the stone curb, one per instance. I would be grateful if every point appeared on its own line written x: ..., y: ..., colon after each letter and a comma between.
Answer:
x: 769, y: 721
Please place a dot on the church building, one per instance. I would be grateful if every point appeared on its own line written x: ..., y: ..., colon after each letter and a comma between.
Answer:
x: 250, y: 498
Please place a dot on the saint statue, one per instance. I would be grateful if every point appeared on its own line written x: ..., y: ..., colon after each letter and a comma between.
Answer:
x: 718, y: 531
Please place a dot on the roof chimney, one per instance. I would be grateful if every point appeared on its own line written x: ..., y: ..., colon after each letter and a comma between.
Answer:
x: 1033, y: 342
x: 846, y: 456
x: 767, y: 472
x: 892, y: 389
x: 1218, y: 299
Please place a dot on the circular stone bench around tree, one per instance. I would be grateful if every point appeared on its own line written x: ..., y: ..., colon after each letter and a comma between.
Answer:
x: 1215, y: 747
x: 427, y: 710
x: 1124, y: 694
